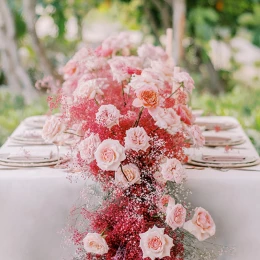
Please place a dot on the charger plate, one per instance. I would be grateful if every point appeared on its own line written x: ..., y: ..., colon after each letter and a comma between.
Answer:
x: 32, y: 159
x: 20, y: 165
x: 211, y: 165
x: 246, y: 159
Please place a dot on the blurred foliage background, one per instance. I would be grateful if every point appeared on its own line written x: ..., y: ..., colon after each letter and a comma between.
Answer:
x: 221, y: 49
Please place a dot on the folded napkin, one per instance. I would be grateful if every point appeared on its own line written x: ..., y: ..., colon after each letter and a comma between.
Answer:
x: 217, y: 138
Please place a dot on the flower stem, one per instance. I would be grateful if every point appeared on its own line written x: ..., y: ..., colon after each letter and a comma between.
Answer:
x: 139, y: 116
x: 181, y: 85
x: 73, y: 134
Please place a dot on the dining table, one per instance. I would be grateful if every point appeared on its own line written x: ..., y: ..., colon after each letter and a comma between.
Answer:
x: 36, y: 203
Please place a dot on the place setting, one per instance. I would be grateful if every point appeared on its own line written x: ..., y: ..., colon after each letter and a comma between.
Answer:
x: 29, y: 158
x: 222, y: 139
x: 35, y: 121
x: 216, y: 123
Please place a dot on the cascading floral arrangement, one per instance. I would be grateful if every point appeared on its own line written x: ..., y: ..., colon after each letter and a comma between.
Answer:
x: 128, y: 106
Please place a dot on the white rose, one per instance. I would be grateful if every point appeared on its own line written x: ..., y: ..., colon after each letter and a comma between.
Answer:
x: 137, y: 139
x: 108, y: 116
x: 88, y: 146
x: 53, y: 129
x: 109, y: 155
x: 87, y: 89
x: 155, y: 244
x: 172, y: 170
x: 129, y: 176
x: 95, y: 243
x: 166, y: 118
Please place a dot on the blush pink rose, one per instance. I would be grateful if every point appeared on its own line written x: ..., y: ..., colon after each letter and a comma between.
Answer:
x: 69, y: 69
x: 53, y: 129
x: 175, y: 215
x: 147, y: 96
x: 130, y: 175
x: 109, y: 154
x: 166, y: 118
x: 88, y: 146
x: 95, y: 243
x: 87, y: 89
x: 108, y: 116
x: 201, y: 225
x: 164, y: 201
x: 172, y: 170
x: 137, y: 139
x: 155, y: 244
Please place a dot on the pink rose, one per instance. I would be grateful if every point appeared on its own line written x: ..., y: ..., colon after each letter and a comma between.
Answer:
x: 186, y: 80
x: 87, y: 89
x: 130, y: 175
x: 185, y: 114
x: 197, y: 138
x: 95, y: 243
x: 159, y: 178
x: 88, y: 146
x: 175, y: 215
x: 137, y: 139
x: 148, y: 76
x: 147, y: 96
x: 108, y: 116
x: 155, y: 244
x: 172, y: 170
x: 109, y: 155
x: 149, y: 52
x: 164, y: 201
x: 166, y: 118
x: 53, y: 129
x: 201, y: 225
x: 69, y: 69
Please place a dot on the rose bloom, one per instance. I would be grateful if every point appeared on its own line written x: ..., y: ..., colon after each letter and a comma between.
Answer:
x: 147, y: 96
x: 159, y: 178
x: 186, y: 79
x: 87, y: 89
x: 130, y: 176
x: 166, y: 118
x: 197, y: 138
x: 164, y: 201
x: 88, y: 146
x: 201, y: 225
x: 123, y: 67
x: 108, y: 116
x: 95, y: 243
x: 175, y: 215
x: 155, y: 244
x: 186, y: 114
x: 69, y: 69
x: 148, y: 76
x: 149, y: 52
x: 53, y: 129
x: 109, y: 155
x: 137, y: 139
x: 172, y: 170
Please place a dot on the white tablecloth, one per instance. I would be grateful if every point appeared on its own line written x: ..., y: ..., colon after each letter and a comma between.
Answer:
x: 35, y: 204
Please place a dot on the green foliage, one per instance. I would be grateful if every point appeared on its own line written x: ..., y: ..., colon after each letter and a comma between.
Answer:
x: 13, y: 110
